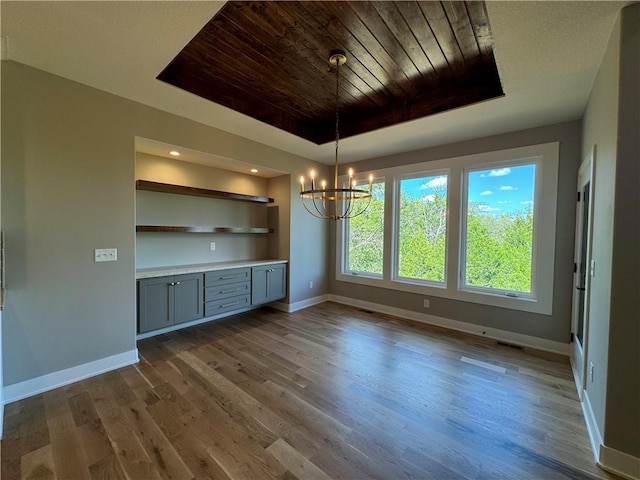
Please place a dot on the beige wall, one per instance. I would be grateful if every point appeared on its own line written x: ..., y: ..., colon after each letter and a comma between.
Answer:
x: 303, y: 237
x: 68, y: 187
x: 612, y: 123
x: 600, y: 126
x: 555, y: 327
x: 168, y: 170
x: 623, y: 386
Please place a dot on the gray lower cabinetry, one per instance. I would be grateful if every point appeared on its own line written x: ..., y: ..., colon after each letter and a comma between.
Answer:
x: 171, y: 300
x: 227, y: 291
x: 268, y: 283
x: 166, y: 301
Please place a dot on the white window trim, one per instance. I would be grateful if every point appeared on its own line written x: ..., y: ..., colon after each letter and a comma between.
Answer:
x: 396, y: 228
x: 344, y: 239
x: 462, y: 285
x: 545, y: 230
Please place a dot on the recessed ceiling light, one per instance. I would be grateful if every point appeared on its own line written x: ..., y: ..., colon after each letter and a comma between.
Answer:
x: 254, y: 170
x: 175, y: 153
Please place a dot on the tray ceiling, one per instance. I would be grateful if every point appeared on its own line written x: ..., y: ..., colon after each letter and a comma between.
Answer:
x: 406, y: 60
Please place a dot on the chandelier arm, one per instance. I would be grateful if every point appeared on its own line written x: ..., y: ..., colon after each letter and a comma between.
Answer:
x: 312, y: 213
x: 322, y: 212
x: 362, y: 210
x: 348, y: 205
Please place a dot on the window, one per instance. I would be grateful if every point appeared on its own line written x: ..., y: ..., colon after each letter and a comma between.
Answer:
x: 365, y: 237
x: 422, y: 228
x: 499, y: 229
x: 478, y: 228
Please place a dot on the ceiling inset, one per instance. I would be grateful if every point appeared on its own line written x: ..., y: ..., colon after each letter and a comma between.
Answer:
x: 407, y: 60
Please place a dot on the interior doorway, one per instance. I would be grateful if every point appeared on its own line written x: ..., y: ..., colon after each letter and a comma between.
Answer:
x: 582, y: 270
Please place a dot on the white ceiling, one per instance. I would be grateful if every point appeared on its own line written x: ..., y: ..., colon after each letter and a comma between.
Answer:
x: 548, y: 54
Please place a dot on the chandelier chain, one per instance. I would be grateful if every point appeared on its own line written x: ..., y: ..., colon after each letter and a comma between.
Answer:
x: 337, y: 116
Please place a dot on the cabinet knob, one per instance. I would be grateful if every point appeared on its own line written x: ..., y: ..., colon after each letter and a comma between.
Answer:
x: 177, y: 283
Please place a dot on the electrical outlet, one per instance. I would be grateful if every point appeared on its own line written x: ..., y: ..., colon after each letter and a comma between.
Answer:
x: 591, y: 371
x: 213, y: 246
x: 311, y: 284
x: 426, y: 303
x: 105, y: 255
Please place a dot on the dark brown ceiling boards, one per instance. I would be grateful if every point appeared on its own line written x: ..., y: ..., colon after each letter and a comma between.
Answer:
x: 406, y: 60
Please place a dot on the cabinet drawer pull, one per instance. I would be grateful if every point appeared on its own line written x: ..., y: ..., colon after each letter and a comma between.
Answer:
x: 230, y: 291
x: 230, y: 277
x: 229, y: 304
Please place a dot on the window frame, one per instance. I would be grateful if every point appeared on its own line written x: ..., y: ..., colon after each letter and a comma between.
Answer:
x: 344, y: 265
x: 395, y: 260
x: 544, y: 225
x: 462, y: 285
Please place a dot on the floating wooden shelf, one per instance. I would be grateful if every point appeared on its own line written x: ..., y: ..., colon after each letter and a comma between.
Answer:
x: 200, y: 229
x: 198, y: 192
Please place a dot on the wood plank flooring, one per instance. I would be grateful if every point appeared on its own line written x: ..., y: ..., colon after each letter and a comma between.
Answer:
x: 327, y: 392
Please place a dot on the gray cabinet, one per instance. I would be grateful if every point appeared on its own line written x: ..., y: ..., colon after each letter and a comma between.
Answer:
x: 227, y: 291
x: 172, y: 300
x: 268, y: 283
x: 166, y: 301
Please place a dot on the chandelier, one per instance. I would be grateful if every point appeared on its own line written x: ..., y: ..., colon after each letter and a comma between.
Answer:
x: 338, y: 202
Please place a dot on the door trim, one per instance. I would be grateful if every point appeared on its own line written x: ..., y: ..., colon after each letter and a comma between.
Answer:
x: 579, y: 351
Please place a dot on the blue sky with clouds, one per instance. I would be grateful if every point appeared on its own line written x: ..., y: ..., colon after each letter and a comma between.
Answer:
x: 497, y: 191
x: 503, y: 190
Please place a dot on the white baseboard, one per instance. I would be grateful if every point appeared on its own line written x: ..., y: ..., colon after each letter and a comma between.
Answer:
x: 34, y: 386
x: 496, y: 334
x: 595, y: 437
x: 620, y: 463
x: 294, y: 307
x: 609, y: 459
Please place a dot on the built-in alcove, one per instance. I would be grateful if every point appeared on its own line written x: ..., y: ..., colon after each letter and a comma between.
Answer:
x: 188, y: 213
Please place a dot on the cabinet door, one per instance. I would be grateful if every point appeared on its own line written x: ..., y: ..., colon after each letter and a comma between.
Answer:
x: 155, y: 303
x: 259, y: 285
x: 268, y: 283
x: 277, y: 281
x: 189, y: 297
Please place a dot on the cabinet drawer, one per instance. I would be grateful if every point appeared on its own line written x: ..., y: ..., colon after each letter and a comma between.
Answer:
x: 226, y: 305
x: 218, y: 292
x: 221, y: 277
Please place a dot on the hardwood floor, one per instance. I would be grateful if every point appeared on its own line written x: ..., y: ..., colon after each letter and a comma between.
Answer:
x: 327, y: 392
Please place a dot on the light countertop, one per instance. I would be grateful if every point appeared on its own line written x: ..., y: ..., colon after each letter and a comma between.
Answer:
x: 202, y: 267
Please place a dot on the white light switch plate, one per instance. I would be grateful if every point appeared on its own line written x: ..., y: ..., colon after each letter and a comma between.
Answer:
x: 105, y: 255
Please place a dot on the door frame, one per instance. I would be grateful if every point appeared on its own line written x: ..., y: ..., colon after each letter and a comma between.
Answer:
x: 579, y: 351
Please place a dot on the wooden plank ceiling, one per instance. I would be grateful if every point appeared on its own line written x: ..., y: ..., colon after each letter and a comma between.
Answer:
x: 406, y: 60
